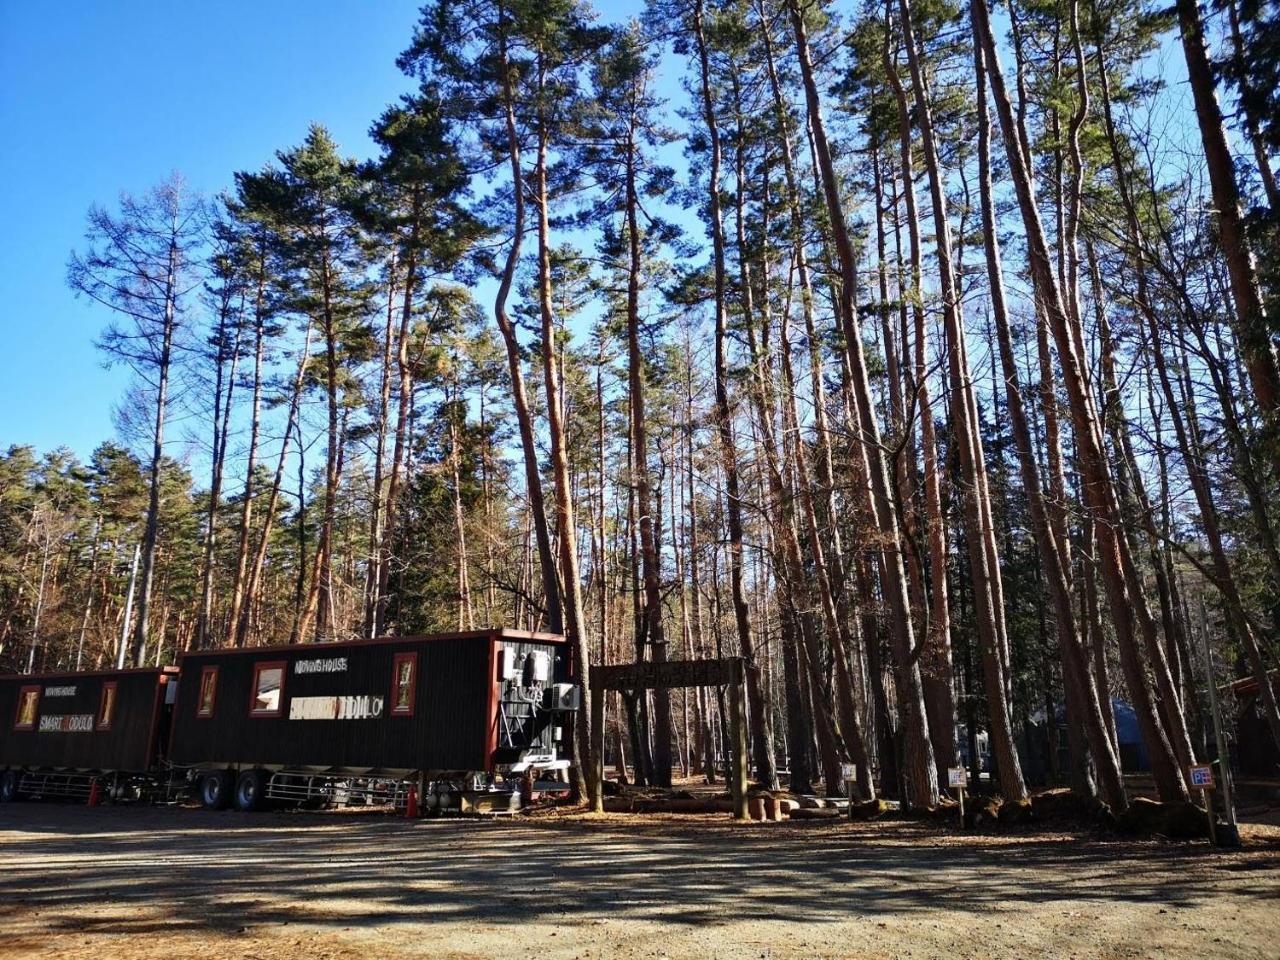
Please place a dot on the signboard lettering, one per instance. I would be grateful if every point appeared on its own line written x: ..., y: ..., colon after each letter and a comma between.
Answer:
x: 848, y: 772
x: 66, y: 723
x: 957, y: 777
x: 365, y: 707
x: 1202, y: 777
x: 328, y: 665
x: 60, y: 691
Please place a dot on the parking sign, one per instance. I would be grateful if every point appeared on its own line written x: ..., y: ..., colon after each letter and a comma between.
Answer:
x: 1202, y: 777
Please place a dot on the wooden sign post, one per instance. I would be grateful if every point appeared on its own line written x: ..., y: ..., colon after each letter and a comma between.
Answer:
x: 849, y: 775
x: 958, y: 779
x: 1202, y: 779
x: 1230, y: 835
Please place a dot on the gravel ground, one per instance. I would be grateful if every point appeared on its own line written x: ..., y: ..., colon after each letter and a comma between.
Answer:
x: 77, y: 882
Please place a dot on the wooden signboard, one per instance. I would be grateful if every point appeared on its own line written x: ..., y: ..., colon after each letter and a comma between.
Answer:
x: 666, y: 675
x: 728, y: 671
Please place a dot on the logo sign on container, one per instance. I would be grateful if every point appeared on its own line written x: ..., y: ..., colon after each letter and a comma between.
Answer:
x: 327, y: 665
x: 336, y: 708
x: 957, y: 777
x: 1202, y: 777
x: 60, y: 691
x: 66, y: 723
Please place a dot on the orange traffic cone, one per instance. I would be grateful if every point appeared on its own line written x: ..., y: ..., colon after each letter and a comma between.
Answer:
x: 93, y: 793
x: 411, y: 803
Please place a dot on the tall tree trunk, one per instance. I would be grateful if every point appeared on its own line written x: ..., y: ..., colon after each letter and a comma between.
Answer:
x: 823, y: 508
x: 251, y: 461
x: 566, y: 520
x: 253, y: 578
x: 655, y: 631
x: 1117, y: 564
x: 378, y: 497
x: 1171, y: 703
x: 1260, y: 154
x: 403, y: 434
x: 1088, y: 707
x: 1257, y: 341
x: 936, y: 670
x: 1187, y: 432
x: 151, y: 534
x: 316, y: 605
x: 519, y: 395
x: 221, y: 429
x: 921, y: 775
x: 972, y: 488
x: 761, y: 736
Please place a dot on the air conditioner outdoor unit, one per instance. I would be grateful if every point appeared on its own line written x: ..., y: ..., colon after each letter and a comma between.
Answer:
x: 562, y: 696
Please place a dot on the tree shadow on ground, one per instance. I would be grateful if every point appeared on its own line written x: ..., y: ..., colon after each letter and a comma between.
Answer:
x: 141, y: 870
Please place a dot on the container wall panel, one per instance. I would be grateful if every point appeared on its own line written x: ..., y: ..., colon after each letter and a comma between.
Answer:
x: 336, y: 707
x: 67, y: 733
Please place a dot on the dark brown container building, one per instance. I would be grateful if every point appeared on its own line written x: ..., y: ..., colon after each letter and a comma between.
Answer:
x: 394, y: 707
x: 100, y: 722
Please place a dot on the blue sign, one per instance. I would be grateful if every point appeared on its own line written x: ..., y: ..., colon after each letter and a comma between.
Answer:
x: 1202, y: 777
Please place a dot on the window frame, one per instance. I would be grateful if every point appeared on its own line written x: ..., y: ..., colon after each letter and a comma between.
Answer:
x: 258, y: 668
x: 201, y: 714
x: 412, y: 659
x: 114, y: 687
x: 17, y: 713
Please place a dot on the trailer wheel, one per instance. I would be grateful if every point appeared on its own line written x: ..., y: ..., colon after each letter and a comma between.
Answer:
x: 215, y: 790
x: 9, y: 787
x: 251, y: 790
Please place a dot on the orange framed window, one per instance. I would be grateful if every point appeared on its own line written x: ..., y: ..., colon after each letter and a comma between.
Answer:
x: 28, y: 705
x: 404, y: 682
x: 107, y: 705
x: 267, y: 695
x: 208, y: 692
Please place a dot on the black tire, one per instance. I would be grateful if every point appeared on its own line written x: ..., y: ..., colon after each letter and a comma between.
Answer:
x: 251, y: 790
x: 9, y: 786
x: 215, y: 790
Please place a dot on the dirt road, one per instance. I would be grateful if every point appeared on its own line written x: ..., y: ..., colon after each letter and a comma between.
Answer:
x: 166, y: 883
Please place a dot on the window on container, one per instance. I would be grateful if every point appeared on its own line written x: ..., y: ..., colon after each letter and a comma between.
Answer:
x: 404, y: 674
x: 107, y: 705
x: 208, y: 692
x: 268, y: 689
x: 28, y: 701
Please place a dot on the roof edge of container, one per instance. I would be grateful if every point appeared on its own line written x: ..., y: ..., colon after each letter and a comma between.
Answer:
x: 59, y: 674
x: 494, y: 634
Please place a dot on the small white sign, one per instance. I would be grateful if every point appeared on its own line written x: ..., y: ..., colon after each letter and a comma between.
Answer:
x: 957, y: 777
x: 60, y: 691
x: 329, y: 665
x: 1202, y: 777
x: 66, y: 723
x: 848, y: 772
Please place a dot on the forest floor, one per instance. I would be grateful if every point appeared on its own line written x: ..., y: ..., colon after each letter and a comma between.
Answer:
x: 151, y: 883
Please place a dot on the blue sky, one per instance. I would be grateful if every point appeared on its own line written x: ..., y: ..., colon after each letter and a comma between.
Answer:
x: 100, y: 98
